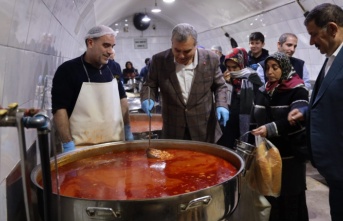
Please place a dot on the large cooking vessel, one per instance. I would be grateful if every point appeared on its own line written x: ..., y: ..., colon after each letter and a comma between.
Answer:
x: 209, y: 204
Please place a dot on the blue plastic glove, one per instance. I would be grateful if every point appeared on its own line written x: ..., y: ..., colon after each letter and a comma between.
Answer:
x: 128, y: 133
x: 146, y: 107
x: 68, y: 146
x: 223, y: 115
x: 254, y: 66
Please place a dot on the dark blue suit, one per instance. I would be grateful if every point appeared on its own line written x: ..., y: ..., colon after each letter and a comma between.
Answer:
x: 325, y: 131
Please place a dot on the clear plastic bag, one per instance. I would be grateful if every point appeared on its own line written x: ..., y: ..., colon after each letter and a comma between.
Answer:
x: 264, y: 175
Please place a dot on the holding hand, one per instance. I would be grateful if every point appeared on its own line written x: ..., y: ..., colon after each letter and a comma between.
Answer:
x: 294, y: 116
x: 128, y: 133
x: 147, y: 106
x: 70, y: 146
x: 262, y: 131
x: 223, y: 115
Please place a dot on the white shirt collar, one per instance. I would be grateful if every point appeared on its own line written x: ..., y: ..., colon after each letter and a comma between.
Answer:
x: 331, y: 59
x: 336, y: 52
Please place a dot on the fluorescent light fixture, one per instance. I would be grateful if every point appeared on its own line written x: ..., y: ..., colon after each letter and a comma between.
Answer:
x: 156, y: 9
x: 168, y: 1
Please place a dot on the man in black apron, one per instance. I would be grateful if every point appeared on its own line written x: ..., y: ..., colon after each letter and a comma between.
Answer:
x: 86, y: 98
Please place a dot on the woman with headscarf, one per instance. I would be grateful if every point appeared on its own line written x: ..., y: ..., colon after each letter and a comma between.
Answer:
x: 283, y: 92
x: 244, y: 83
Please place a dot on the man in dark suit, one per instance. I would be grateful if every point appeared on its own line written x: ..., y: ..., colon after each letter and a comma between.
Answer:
x: 324, y: 113
x: 192, y: 88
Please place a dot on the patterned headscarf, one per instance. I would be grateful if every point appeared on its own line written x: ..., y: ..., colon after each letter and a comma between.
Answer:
x: 284, y: 62
x: 288, y: 80
x: 238, y: 55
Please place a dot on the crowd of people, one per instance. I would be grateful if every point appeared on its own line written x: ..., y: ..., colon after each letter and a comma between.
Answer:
x: 214, y: 97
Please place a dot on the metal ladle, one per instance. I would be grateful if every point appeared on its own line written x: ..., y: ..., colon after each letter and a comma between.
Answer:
x: 152, y: 152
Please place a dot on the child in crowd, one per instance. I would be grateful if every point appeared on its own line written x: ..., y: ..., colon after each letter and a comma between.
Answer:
x: 257, y: 53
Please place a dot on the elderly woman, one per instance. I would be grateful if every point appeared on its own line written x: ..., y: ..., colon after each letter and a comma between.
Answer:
x: 284, y: 91
x: 244, y: 82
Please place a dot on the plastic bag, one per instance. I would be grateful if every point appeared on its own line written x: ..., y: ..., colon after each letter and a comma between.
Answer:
x: 265, y: 172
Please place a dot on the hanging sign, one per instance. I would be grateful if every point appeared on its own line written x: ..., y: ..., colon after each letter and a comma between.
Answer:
x: 141, y: 43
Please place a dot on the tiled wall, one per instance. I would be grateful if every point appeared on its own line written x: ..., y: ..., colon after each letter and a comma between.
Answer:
x: 38, y: 35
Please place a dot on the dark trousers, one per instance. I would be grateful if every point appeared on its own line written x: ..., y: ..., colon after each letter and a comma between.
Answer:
x: 336, y: 199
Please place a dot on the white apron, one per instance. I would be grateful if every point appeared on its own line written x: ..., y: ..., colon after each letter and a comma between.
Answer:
x: 97, y: 116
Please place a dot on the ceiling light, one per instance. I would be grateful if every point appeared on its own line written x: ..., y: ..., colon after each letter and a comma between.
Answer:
x: 155, y: 9
x: 168, y: 1
x: 146, y: 18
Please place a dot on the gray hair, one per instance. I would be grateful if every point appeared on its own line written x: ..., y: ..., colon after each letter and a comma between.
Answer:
x: 284, y: 36
x: 217, y: 47
x: 182, y: 31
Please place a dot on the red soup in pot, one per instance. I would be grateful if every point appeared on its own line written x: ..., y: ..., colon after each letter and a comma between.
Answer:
x: 130, y: 175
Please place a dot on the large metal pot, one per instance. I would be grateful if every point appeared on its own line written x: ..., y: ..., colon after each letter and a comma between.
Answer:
x: 210, y: 204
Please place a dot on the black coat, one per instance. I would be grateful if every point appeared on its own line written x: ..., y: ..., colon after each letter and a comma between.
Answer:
x: 325, y: 122
x: 272, y: 112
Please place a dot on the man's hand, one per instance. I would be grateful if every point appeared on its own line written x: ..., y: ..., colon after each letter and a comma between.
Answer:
x: 294, y: 116
x: 223, y: 115
x: 147, y: 106
x: 69, y: 146
x: 128, y: 133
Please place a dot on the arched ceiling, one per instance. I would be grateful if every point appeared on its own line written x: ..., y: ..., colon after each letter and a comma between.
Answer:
x: 202, y: 14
